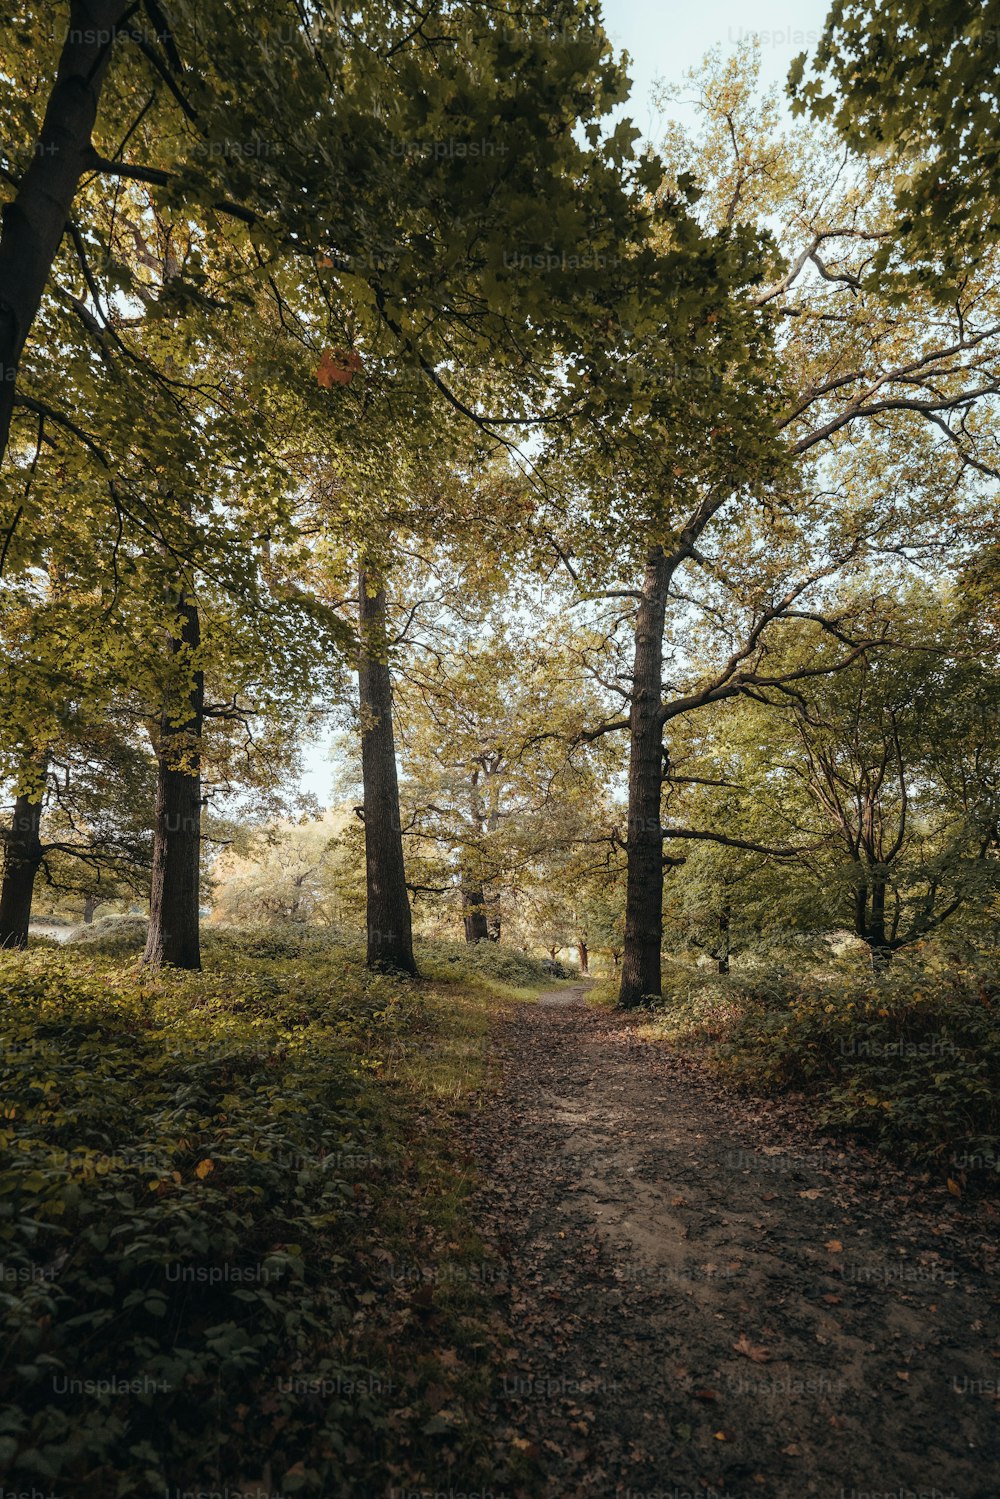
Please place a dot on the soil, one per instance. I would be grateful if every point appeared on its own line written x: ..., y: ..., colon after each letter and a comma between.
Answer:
x: 706, y: 1299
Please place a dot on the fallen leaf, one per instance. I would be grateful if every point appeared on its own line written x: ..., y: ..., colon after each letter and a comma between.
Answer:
x: 753, y: 1351
x: 954, y: 1188
x: 203, y: 1169
x: 834, y: 1246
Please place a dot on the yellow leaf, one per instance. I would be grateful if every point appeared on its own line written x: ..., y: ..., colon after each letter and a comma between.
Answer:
x: 954, y: 1188
x: 203, y: 1169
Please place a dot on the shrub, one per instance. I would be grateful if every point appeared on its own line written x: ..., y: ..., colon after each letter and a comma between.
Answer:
x: 485, y: 961
x: 909, y: 1060
x: 184, y: 1189
x: 115, y: 936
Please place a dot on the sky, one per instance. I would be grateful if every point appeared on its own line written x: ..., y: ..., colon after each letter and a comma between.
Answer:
x: 664, y: 38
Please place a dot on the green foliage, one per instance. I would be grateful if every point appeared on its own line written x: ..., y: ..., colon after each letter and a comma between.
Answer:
x: 909, y: 1061
x: 487, y: 962
x: 114, y: 936
x: 195, y: 1168
x: 917, y: 82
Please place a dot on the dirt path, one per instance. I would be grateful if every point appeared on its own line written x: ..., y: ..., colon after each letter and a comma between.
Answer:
x: 702, y: 1304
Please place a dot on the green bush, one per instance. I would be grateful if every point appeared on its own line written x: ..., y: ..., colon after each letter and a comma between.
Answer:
x: 187, y: 1163
x: 116, y: 936
x: 909, y: 1060
x: 487, y: 961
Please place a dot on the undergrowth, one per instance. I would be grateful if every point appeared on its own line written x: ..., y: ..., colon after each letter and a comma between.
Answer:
x: 233, y: 1240
x: 908, y: 1060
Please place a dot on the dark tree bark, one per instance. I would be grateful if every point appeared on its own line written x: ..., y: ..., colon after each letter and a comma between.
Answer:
x: 474, y: 914
x: 723, y: 959
x: 22, y: 858
x: 641, y: 974
x: 869, y: 918
x: 584, y: 952
x: 174, y: 898
x: 89, y: 907
x: 390, y: 939
x: 34, y: 221
x: 494, y: 918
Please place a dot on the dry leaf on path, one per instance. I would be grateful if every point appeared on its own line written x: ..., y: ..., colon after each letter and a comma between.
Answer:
x: 754, y: 1351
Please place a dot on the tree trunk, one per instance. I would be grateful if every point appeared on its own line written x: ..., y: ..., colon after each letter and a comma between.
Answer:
x: 474, y: 914
x: 724, y: 940
x: 644, y: 878
x: 494, y: 917
x: 89, y: 907
x: 390, y: 940
x: 174, y: 896
x: 34, y: 221
x: 583, y: 950
x: 878, y: 943
x: 22, y: 857
x: 869, y: 917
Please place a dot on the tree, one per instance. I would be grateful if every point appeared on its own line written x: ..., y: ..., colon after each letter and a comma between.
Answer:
x: 497, y: 780
x: 880, y: 780
x: 289, y: 872
x: 351, y: 253
x: 916, y: 85
x: 849, y: 364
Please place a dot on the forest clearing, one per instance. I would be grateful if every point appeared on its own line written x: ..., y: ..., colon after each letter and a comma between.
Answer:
x: 500, y: 813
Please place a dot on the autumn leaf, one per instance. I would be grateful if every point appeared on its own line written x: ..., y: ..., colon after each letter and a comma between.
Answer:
x: 834, y: 1246
x: 203, y: 1169
x: 754, y: 1351
x: 338, y: 367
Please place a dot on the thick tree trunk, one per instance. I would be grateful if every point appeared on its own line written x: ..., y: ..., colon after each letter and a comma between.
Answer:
x: 89, y: 907
x: 644, y: 879
x: 390, y: 940
x: 474, y: 914
x: 34, y: 221
x: 174, y: 896
x: 583, y: 950
x: 494, y: 918
x: 22, y: 857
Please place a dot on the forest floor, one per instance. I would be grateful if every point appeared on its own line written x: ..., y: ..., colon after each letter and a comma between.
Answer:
x: 705, y: 1299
